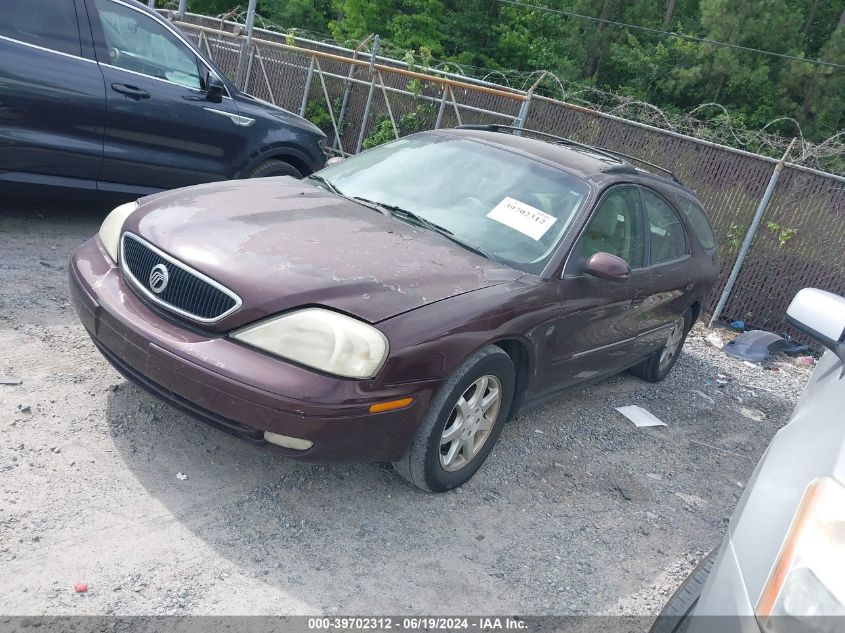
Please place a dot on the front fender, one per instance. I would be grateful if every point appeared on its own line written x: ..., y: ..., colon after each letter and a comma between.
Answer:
x: 432, y: 341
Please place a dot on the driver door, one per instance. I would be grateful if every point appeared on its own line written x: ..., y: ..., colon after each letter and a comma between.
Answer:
x: 597, y: 330
x: 161, y: 131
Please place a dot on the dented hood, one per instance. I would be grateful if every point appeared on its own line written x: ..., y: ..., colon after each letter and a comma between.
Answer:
x: 282, y: 243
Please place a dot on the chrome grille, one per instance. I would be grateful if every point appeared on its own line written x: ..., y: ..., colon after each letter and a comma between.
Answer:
x: 186, y: 292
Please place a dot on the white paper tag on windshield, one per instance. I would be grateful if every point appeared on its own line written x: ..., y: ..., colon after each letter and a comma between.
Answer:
x: 522, y: 217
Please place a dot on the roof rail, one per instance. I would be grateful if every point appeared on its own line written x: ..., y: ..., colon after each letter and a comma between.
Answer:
x: 668, y: 172
x: 560, y: 140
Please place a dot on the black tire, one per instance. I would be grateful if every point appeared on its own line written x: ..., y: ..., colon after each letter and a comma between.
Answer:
x: 422, y: 464
x: 655, y: 368
x: 274, y: 167
x: 674, y: 616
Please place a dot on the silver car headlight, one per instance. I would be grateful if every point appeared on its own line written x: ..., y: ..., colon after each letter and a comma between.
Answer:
x: 112, y: 225
x: 807, y: 578
x: 322, y: 339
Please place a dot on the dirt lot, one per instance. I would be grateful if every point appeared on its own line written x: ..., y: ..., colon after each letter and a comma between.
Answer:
x: 576, y: 510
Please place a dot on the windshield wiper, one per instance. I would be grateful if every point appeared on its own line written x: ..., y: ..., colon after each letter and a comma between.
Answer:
x: 413, y: 218
x: 325, y: 182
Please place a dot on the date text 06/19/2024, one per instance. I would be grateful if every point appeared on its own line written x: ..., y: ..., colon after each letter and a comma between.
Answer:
x: 427, y: 623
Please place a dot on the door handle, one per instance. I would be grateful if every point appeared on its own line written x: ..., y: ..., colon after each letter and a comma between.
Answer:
x: 639, y: 297
x: 131, y: 91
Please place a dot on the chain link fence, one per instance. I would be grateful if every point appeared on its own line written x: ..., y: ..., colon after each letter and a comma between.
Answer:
x: 360, y: 98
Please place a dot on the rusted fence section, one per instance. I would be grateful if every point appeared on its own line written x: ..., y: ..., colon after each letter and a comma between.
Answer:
x: 359, y: 97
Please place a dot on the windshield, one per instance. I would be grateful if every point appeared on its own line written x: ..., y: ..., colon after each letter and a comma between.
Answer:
x: 511, y: 208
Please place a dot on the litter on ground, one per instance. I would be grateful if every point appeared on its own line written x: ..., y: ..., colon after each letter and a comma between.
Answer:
x: 753, y: 414
x: 715, y: 340
x: 757, y: 345
x: 639, y: 416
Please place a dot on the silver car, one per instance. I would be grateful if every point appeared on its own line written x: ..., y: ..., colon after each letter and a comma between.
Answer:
x: 781, y: 567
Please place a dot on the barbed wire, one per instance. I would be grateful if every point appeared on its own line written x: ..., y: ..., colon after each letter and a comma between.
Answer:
x: 708, y: 121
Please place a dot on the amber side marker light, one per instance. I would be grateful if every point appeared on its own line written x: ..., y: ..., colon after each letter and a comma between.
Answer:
x: 390, y: 405
x: 806, y: 579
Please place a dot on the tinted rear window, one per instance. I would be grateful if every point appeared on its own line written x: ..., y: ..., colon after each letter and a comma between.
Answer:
x: 47, y: 23
x: 698, y: 221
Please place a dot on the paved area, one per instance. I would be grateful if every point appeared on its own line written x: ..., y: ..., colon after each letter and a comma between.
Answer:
x: 576, y: 511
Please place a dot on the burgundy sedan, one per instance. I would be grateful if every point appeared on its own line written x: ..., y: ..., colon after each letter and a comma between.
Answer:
x: 401, y: 305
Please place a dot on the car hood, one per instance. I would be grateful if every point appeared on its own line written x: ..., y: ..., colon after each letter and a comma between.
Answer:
x: 281, y: 243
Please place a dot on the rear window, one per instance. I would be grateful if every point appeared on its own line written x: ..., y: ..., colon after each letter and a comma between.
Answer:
x: 47, y: 23
x: 699, y: 223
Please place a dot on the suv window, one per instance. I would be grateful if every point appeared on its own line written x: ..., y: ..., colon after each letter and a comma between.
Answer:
x: 668, y: 240
x: 47, y: 23
x: 699, y: 223
x: 138, y: 43
x: 616, y: 228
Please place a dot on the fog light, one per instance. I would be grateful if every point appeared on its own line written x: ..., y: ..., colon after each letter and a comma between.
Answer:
x: 296, y: 443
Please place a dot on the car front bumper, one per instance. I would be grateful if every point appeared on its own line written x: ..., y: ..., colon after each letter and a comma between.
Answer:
x: 719, y: 600
x: 237, y: 389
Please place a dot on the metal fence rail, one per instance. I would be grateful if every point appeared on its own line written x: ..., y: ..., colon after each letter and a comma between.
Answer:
x: 800, y: 242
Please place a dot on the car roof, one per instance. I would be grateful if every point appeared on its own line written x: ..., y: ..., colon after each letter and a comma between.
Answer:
x: 580, y: 160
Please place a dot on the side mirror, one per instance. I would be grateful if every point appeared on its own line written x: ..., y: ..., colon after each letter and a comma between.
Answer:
x: 609, y: 267
x: 334, y: 160
x: 214, y: 88
x: 821, y: 315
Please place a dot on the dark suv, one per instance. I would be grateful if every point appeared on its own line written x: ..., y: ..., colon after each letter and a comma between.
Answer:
x: 106, y: 96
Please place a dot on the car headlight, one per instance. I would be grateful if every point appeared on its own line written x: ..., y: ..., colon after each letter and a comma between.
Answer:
x: 322, y: 339
x: 807, y: 578
x: 111, y: 226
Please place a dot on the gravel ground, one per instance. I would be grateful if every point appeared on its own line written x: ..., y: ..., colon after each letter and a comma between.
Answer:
x: 576, y: 511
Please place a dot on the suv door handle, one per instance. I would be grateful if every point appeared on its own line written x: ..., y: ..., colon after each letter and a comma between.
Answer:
x: 639, y: 297
x: 131, y: 91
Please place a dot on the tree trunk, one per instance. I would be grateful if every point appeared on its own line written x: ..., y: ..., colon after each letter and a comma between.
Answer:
x: 670, y: 12
x: 596, y: 50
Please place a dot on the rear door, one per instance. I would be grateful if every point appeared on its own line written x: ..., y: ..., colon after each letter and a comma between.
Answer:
x: 162, y: 132
x: 52, y: 96
x: 671, y: 270
x: 597, y: 330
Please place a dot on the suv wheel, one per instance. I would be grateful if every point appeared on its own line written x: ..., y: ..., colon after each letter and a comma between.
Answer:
x: 660, y: 362
x: 274, y: 167
x: 462, y: 423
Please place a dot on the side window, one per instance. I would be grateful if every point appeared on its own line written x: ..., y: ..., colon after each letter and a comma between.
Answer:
x: 616, y: 228
x: 138, y: 43
x: 666, y: 232
x: 47, y: 23
x: 699, y: 223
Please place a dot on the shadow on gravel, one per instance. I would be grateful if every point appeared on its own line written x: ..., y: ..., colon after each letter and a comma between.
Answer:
x: 574, y: 512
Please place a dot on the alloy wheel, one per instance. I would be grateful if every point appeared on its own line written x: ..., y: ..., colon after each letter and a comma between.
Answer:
x: 470, y: 423
x: 673, y: 344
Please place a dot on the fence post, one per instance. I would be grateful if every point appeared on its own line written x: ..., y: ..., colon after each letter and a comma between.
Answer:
x: 307, y: 90
x: 151, y: 4
x: 749, y: 236
x: 442, y: 108
x: 245, y: 45
x: 183, y: 5
x: 366, y: 117
x: 248, y: 76
x: 522, y: 115
x: 347, y: 89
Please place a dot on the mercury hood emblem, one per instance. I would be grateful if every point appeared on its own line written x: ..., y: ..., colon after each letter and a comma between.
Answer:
x: 159, y: 276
